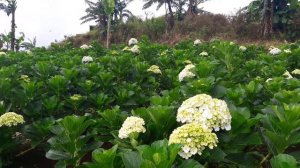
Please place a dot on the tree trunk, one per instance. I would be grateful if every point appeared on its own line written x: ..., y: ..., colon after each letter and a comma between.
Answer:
x: 108, y: 31
x: 13, y: 30
x: 192, y: 8
x: 267, y: 22
x: 170, y: 20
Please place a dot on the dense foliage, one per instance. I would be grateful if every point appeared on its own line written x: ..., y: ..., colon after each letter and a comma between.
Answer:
x: 73, y: 109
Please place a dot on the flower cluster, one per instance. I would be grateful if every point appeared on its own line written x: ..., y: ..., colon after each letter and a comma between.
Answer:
x: 155, y: 69
x: 25, y: 78
x: 193, y: 138
x: 197, y: 42
x: 2, y: 53
x: 204, y: 53
x: 204, y: 110
x: 11, y: 119
x: 274, y: 51
x: 269, y: 79
x: 87, y: 59
x: 287, y: 75
x: 131, y: 125
x: 85, y: 47
x: 186, y: 72
x: 132, y: 41
x: 287, y: 51
x: 296, y: 72
x: 231, y: 43
x: 76, y: 97
x: 243, y: 48
x: 188, y: 62
x: 201, y: 114
x: 135, y: 49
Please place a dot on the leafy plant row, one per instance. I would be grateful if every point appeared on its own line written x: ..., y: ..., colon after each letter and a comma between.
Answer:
x: 73, y: 109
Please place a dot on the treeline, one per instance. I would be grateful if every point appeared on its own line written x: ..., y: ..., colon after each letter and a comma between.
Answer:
x: 261, y: 19
x: 9, y: 40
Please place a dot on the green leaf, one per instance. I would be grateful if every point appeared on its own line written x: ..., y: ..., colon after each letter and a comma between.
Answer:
x: 105, y: 158
x: 147, y: 164
x: 283, y: 161
x: 131, y: 159
x: 57, y: 155
x: 61, y: 164
x: 190, y: 164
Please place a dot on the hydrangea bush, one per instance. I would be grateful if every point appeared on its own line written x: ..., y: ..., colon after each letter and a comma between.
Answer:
x: 212, y: 104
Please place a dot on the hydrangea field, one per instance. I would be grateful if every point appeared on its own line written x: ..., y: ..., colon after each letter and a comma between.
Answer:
x: 147, y: 105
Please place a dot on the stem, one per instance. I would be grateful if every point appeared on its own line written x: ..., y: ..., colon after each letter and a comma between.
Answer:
x: 24, y: 152
x: 108, y: 31
x: 265, y: 159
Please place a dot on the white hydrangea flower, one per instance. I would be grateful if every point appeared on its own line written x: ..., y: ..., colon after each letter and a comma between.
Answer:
x: 296, y: 72
x: 231, y: 43
x: 189, y: 67
x: 194, y: 138
x: 155, y: 69
x: 204, y: 53
x: 76, y: 97
x: 132, y: 41
x: 25, y: 78
x: 126, y: 48
x: 132, y: 125
x: 269, y: 79
x: 287, y: 75
x: 135, y: 49
x: 28, y: 52
x: 203, y: 109
x: 87, y: 59
x: 188, y: 62
x: 186, y: 72
x: 287, y: 51
x: 2, y: 53
x: 197, y: 42
x: 275, y: 51
x: 84, y: 46
x: 11, y: 119
x: 243, y: 48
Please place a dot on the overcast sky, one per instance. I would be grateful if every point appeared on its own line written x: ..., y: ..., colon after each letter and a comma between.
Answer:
x: 50, y: 20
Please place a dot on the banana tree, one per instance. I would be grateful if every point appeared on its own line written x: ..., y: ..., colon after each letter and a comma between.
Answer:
x: 109, y: 6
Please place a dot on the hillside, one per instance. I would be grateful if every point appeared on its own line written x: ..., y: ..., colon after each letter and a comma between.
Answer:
x: 206, y: 27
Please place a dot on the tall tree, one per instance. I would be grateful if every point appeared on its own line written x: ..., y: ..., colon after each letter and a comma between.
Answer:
x: 275, y: 15
x: 10, y: 7
x: 169, y: 13
x: 193, y: 7
x: 96, y: 12
x: 267, y: 19
x: 109, y: 6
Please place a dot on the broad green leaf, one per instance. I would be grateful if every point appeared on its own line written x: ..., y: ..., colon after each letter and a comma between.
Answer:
x: 190, y: 164
x: 283, y: 161
x: 131, y: 159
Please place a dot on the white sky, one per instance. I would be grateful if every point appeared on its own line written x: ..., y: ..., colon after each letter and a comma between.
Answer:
x: 50, y: 20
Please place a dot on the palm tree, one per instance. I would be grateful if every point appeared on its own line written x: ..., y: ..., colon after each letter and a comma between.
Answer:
x: 120, y: 12
x: 109, y: 6
x: 193, y: 7
x: 29, y: 45
x: 10, y: 9
x: 96, y: 12
x: 160, y: 3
